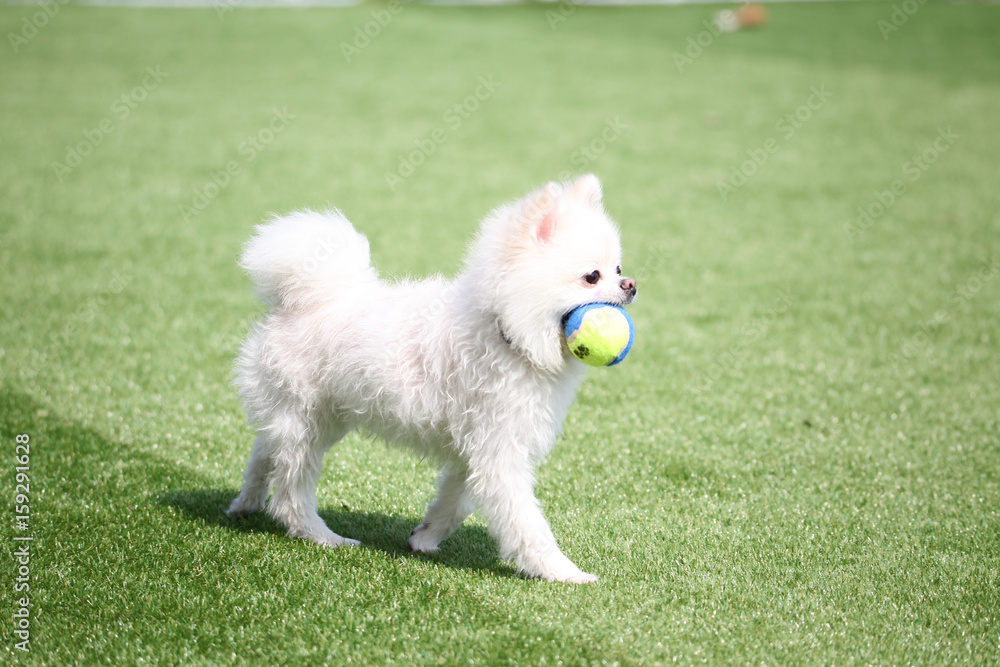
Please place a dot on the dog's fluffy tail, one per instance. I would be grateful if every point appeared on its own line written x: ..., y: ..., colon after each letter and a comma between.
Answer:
x: 305, y: 258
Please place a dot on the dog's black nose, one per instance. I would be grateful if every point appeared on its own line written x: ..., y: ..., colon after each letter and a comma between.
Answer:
x: 628, y: 285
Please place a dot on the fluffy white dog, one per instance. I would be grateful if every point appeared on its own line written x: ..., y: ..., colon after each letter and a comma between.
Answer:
x: 474, y: 372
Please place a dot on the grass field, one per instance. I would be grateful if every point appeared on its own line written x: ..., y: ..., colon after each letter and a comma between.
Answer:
x: 798, y: 464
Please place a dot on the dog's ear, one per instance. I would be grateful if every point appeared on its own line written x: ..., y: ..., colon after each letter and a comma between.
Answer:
x: 587, y: 189
x: 541, y: 212
x: 547, y: 227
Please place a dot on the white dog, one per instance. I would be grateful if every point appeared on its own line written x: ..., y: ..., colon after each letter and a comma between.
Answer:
x: 474, y: 372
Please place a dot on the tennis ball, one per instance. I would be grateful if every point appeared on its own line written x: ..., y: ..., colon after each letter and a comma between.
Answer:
x: 599, y: 334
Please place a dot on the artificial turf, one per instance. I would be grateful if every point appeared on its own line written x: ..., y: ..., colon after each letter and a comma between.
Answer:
x: 798, y: 463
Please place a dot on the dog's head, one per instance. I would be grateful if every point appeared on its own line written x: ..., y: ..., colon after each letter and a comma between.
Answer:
x: 543, y: 256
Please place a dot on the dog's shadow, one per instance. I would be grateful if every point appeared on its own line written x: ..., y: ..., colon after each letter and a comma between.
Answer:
x: 470, y: 547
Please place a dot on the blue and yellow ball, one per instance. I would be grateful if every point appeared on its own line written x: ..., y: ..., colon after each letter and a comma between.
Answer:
x: 599, y: 334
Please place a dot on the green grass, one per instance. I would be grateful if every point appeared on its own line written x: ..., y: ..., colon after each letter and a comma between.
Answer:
x: 798, y: 464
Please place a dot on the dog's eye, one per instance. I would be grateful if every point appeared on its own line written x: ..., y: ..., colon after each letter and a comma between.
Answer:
x: 618, y: 269
x: 593, y: 277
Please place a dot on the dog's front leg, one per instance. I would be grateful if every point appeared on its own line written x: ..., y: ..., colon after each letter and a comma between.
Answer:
x: 502, y: 490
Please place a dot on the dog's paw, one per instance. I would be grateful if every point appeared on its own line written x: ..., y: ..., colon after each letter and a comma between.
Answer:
x: 347, y: 542
x: 580, y: 578
x: 574, y: 576
x: 327, y: 538
x: 424, y: 540
x: 240, y: 508
x: 561, y: 569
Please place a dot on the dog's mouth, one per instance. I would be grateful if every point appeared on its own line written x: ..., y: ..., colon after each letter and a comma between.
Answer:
x: 624, y: 301
x: 622, y: 296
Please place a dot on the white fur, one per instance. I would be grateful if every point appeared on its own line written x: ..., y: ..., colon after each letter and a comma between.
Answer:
x: 473, y: 372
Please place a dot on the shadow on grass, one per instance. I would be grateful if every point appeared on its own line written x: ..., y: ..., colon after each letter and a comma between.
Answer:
x: 63, y: 449
x: 470, y: 548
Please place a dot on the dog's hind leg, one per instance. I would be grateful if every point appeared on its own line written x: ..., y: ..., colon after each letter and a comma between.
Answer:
x: 445, y: 514
x: 297, y: 463
x: 256, y: 480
